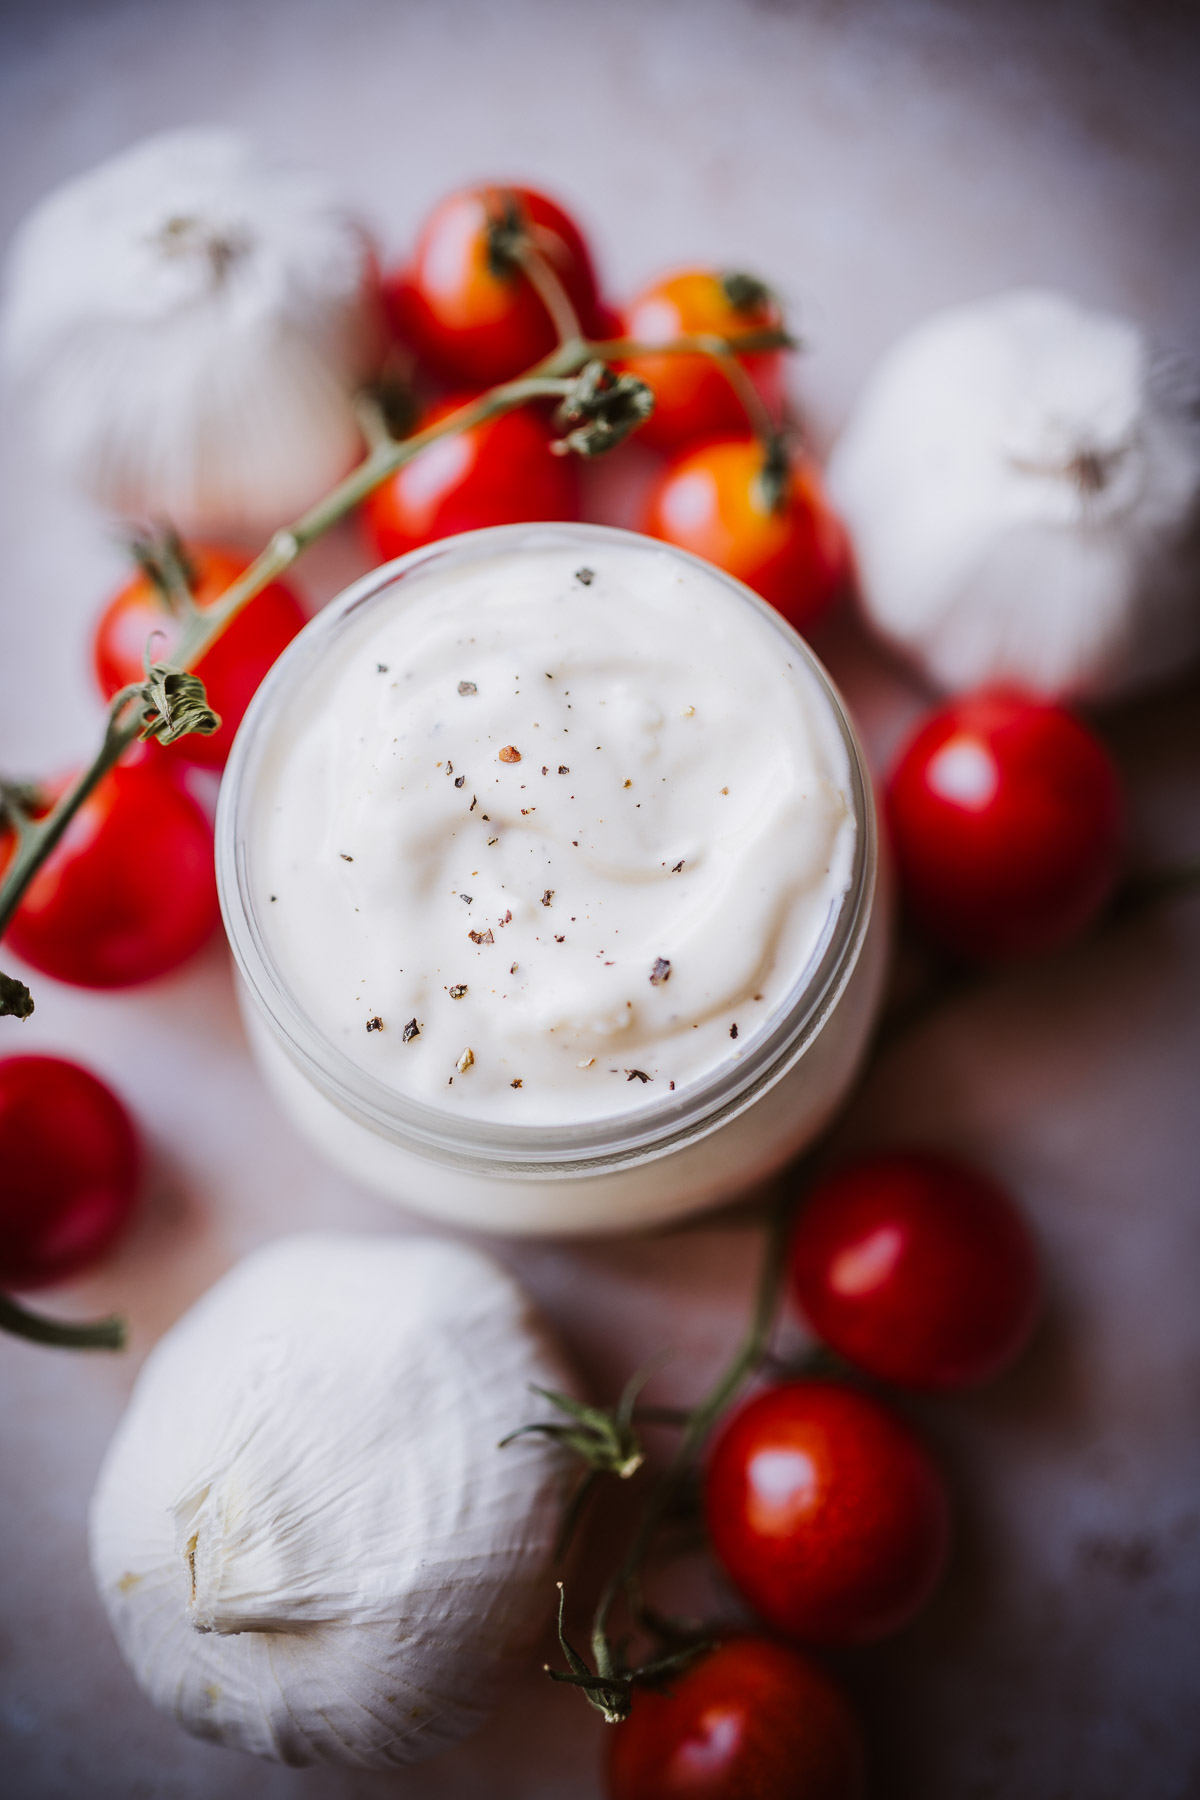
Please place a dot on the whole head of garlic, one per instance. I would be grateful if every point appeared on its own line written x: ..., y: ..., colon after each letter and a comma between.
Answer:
x: 191, y: 323
x: 305, y: 1536
x: 1022, y: 481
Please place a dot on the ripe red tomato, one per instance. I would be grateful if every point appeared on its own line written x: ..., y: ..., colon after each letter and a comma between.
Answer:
x: 71, y: 1166
x: 752, y: 1720
x: 470, y: 322
x: 231, y: 671
x: 498, y: 473
x: 915, y: 1268
x: 709, y: 501
x: 692, y: 398
x: 1006, y: 821
x: 827, y: 1512
x: 128, y: 893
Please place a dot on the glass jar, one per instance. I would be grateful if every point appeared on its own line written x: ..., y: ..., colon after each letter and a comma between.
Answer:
x: 717, y: 1138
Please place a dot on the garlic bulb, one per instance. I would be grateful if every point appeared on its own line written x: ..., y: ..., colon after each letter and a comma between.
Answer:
x: 1022, y: 480
x: 191, y: 323
x: 305, y: 1536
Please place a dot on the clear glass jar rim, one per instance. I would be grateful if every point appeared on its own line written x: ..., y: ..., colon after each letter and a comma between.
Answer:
x: 593, y: 1144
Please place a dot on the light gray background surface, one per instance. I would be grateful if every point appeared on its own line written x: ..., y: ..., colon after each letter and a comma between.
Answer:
x: 875, y: 161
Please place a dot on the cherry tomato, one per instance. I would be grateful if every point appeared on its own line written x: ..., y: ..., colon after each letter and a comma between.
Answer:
x: 71, y: 1166
x: 231, y: 670
x: 916, y: 1268
x: 710, y: 501
x: 498, y: 473
x: 827, y: 1512
x: 471, y: 321
x: 693, y: 399
x: 1006, y: 821
x: 752, y: 1720
x: 129, y: 891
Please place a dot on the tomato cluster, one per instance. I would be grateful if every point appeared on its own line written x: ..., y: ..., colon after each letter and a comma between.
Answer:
x: 473, y: 316
x: 822, y: 1506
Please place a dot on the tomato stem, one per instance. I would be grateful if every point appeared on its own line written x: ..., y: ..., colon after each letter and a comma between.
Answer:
x: 697, y: 1424
x: 98, y: 1334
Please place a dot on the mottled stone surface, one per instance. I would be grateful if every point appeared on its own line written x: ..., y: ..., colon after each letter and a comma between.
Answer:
x: 875, y: 161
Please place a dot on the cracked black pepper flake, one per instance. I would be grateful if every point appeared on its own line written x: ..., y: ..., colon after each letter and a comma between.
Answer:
x: 507, y: 919
x: 559, y: 940
x: 563, y: 769
x: 586, y: 576
x: 672, y: 1087
x: 459, y: 780
x: 733, y: 1031
x: 637, y: 1075
x: 381, y: 668
x: 493, y: 841
x: 516, y: 1082
x: 449, y: 767
x: 458, y: 990
x: 467, y: 687
x: 548, y: 896
x: 513, y: 969
x: 481, y: 937
x: 411, y: 1031
x: 677, y: 866
x: 375, y: 1024
x: 344, y: 857
x: 474, y: 803
x: 660, y: 972
x: 274, y: 896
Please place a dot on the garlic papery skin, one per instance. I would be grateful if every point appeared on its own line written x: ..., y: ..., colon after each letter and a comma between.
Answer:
x: 1022, y: 481
x: 305, y: 1536
x: 191, y: 324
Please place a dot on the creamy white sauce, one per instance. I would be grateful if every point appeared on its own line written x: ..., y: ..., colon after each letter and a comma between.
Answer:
x: 564, y: 936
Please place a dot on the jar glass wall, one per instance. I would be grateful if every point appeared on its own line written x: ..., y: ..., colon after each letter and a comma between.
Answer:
x: 721, y: 1134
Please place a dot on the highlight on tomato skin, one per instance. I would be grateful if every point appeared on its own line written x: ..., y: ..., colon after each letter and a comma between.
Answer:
x: 129, y: 892
x: 827, y: 1513
x: 711, y: 500
x: 471, y: 323
x: 72, y: 1170
x: 501, y: 472
x: 138, y: 617
x: 916, y: 1268
x: 693, y: 398
x: 1006, y: 820
x: 750, y: 1720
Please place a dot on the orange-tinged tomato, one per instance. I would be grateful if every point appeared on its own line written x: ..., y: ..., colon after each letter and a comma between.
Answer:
x: 471, y: 321
x: 713, y: 502
x: 693, y: 398
x: 231, y: 671
x: 498, y: 473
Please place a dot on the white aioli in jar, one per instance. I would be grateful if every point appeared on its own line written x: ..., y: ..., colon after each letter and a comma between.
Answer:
x: 555, y: 836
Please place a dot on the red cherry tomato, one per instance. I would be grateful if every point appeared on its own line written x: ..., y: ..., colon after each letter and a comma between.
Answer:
x: 498, y: 473
x: 471, y: 322
x: 692, y: 398
x: 231, y: 671
x: 710, y: 501
x: 752, y: 1720
x: 71, y: 1166
x: 129, y: 891
x: 915, y: 1268
x: 1006, y: 821
x: 827, y: 1512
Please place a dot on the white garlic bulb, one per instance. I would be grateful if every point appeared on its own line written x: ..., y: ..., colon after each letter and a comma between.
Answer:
x: 307, y: 1540
x: 1022, y: 481
x: 191, y: 323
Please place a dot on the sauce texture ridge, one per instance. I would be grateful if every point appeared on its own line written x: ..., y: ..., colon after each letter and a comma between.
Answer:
x: 546, y: 839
